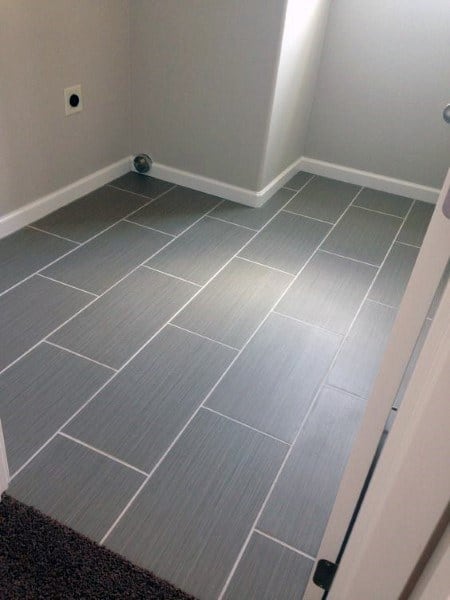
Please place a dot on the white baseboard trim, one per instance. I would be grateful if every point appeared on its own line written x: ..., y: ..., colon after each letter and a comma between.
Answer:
x: 4, y: 472
x: 46, y: 204
x: 368, y: 179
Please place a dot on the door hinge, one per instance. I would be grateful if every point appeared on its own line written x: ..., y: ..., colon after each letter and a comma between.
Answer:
x: 324, y: 574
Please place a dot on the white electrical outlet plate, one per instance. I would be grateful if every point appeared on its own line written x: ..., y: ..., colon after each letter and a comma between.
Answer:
x: 73, y: 100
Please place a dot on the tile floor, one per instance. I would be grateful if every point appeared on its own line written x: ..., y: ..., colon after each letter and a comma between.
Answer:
x: 182, y: 377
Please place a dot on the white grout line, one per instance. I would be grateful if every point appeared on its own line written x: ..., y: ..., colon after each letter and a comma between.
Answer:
x: 379, y: 212
x: 410, y: 245
x: 74, y: 287
x: 277, y: 312
x: 344, y: 391
x: 363, y: 262
x: 285, y: 187
x: 202, y: 336
x: 94, y: 449
x: 147, y: 227
x: 291, y: 212
x: 141, y: 195
x: 171, y: 275
x: 231, y: 223
x: 270, y: 537
x: 80, y: 355
x: 382, y: 304
x: 264, y: 433
x: 66, y: 239
x: 264, y: 265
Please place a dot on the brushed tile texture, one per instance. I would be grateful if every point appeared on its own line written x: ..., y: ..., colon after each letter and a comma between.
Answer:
x: 101, y: 262
x: 273, y: 382
x: 39, y: 393
x: 393, y: 278
x: 287, y: 242
x: 31, y: 311
x: 118, y: 323
x: 234, y: 303
x: 363, y: 235
x: 176, y: 210
x: 416, y: 225
x: 269, y: 571
x: 357, y: 364
x: 384, y: 202
x: 162, y: 386
x: 200, y: 252
x: 90, y: 214
x: 299, y: 180
x: 77, y: 486
x: 27, y: 251
x: 255, y: 218
x: 191, y: 519
x: 299, y: 507
x: 328, y: 292
x: 141, y: 184
x: 324, y: 199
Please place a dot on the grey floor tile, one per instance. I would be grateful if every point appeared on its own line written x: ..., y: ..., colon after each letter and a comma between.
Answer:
x: 176, y: 210
x: 357, y: 364
x: 363, y: 235
x: 328, y: 292
x: 324, y: 199
x: 162, y: 386
x: 273, y: 382
x: 77, y: 486
x: 233, y: 304
x: 97, y: 265
x: 90, y: 214
x: 299, y: 180
x: 118, y: 323
x: 27, y: 251
x: 31, y: 311
x: 200, y: 252
x: 269, y: 571
x: 191, y: 519
x: 141, y: 184
x: 255, y: 218
x: 393, y: 278
x: 287, y: 242
x: 39, y: 393
x: 439, y: 292
x: 416, y: 225
x: 384, y: 202
x: 299, y: 507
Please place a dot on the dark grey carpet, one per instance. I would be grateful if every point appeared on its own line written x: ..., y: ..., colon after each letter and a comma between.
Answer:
x: 42, y: 559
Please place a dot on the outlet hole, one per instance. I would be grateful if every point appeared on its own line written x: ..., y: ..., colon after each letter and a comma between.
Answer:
x: 74, y: 100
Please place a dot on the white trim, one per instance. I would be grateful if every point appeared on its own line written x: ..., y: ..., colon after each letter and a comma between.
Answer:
x: 368, y: 179
x: 41, y: 207
x: 4, y: 471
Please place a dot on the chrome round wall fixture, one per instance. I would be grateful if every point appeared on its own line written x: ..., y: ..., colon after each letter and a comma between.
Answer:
x: 446, y: 113
x: 142, y: 163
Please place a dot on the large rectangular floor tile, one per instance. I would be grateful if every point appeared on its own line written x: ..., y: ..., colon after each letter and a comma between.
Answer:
x: 77, y: 486
x: 299, y: 180
x: 384, y: 202
x: 162, y: 386
x: 234, y: 303
x: 328, y: 292
x: 416, y: 225
x: 116, y: 325
x: 27, y: 251
x: 255, y: 218
x: 357, y: 364
x: 324, y: 199
x: 287, y: 242
x: 90, y: 214
x: 273, y: 382
x: 269, y: 571
x: 200, y: 252
x: 97, y: 265
x: 176, y: 210
x: 393, y: 278
x: 39, y: 393
x: 363, y: 235
x: 189, y: 522
x: 300, y: 504
x: 31, y: 311
x: 141, y: 184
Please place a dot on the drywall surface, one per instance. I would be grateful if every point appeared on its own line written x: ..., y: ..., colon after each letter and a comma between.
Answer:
x: 383, y: 82
x: 203, y: 74
x: 301, y: 48
x: 45, y: 46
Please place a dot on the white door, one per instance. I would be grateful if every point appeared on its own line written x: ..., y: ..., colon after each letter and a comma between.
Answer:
x: 428, y: 271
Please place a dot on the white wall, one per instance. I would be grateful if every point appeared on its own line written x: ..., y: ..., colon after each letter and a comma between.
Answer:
x: 383, y: 82
x: 46, y: 45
